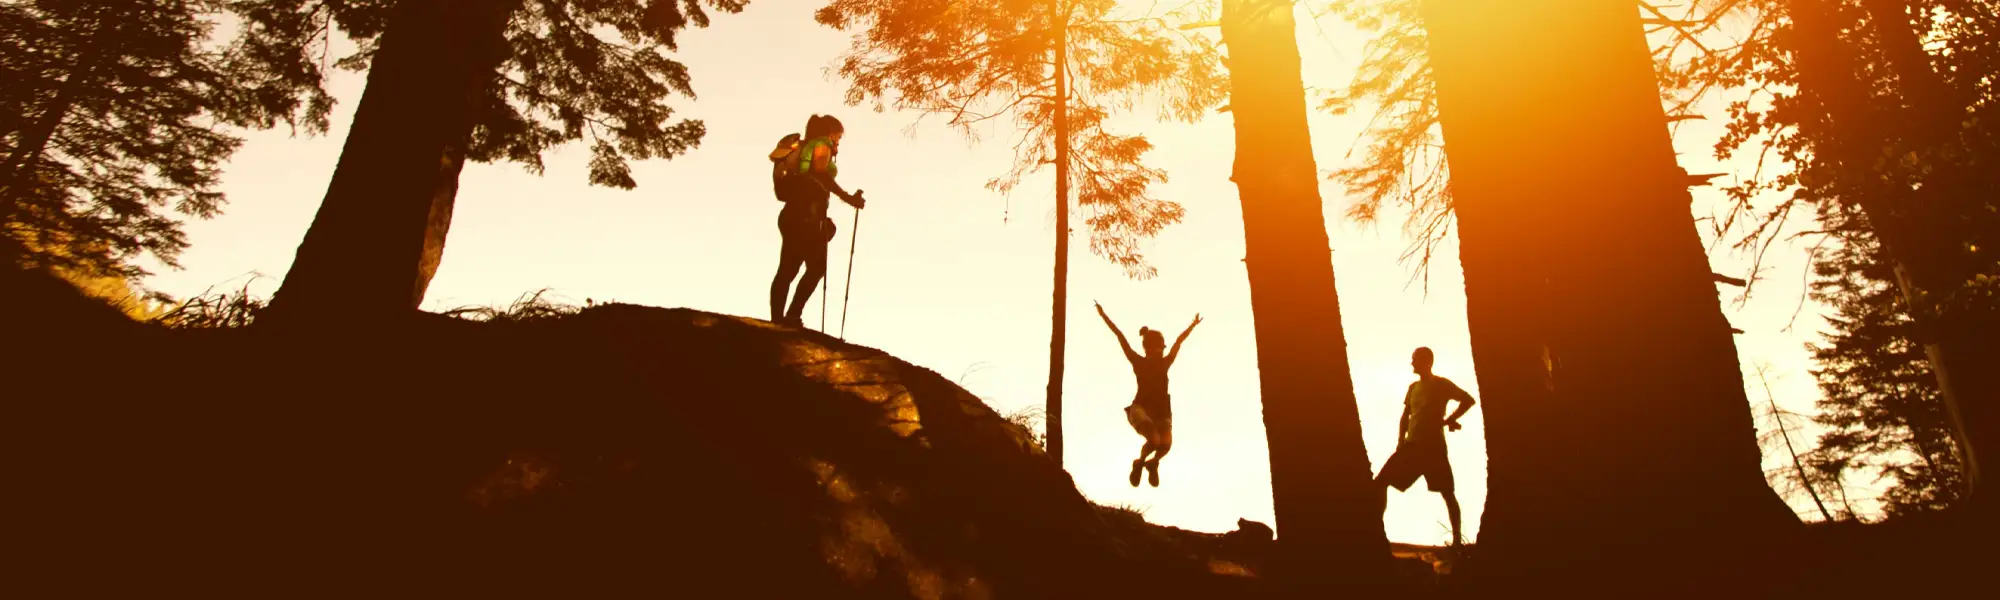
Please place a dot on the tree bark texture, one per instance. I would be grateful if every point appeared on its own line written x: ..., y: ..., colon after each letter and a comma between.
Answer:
x: 1618, y: 432
x: 1328, y: 508
x: 380, y: 232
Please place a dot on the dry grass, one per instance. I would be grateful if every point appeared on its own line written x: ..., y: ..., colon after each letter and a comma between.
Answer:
x: 530, y: 307
x: 212, y: 310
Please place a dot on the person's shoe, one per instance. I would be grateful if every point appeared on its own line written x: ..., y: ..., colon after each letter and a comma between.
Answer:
x: 791, y: 321
x: 1137, y: 465
x: 1153, y: 474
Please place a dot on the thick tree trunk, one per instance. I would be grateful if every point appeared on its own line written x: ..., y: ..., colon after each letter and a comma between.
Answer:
x: 1619, y: 437
x: 1328, y: 508
x: 380, y: 232
x: 1924, y: 231
x: 1059, y: 312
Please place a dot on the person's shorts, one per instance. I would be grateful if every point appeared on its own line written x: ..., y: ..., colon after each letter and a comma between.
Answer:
x: 1423, y: 458
x: 1158, y: 429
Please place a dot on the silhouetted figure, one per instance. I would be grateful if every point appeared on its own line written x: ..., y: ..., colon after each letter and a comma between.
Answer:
x: 1152, y: 411
x: 803, y: 171
x: 1420, y: 447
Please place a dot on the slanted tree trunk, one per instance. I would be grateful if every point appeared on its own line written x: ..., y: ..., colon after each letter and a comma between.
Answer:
x: 1059, y: 314
x: 1785, y: 434
x: 1619, y: 437
x: 1925, y: 232
x: 380, y: 232
x: 1328, y: 508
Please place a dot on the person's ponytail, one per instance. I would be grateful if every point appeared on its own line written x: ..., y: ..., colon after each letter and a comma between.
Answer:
x: 818, y: 126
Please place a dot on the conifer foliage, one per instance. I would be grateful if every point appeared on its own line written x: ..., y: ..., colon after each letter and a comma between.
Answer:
x: 111, y: 116
x: 1880, y: 405
x: 1059, y: 69
x: 457, y: 80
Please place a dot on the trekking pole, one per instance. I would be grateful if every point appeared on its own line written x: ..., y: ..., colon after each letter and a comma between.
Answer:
x: 822, y: 305
x: 847, y: 289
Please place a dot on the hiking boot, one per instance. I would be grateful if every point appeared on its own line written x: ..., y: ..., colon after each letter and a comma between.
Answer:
x: 1138, y: 465
x: 798, y: 322
x: 1153, y: 474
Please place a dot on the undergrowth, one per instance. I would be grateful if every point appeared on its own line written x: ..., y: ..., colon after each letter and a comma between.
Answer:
x: 228, y: 310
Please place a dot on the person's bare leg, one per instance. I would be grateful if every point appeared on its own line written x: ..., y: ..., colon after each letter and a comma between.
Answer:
x: 1140, y: 463
x: 1451, y: 510
x: 1160, y: 448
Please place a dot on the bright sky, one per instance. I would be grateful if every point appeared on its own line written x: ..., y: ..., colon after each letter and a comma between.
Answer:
x: 956, y: 278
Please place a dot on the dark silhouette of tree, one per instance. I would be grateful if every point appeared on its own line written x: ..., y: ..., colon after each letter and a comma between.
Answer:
x: 1789, y: 481
x: 1327, y: 506
x: 1617, y: 422
x: 457, y: 80
x: 113, y: 115
x: 1885, y: 107
x: 972, y: 62
x: 1880, y: 402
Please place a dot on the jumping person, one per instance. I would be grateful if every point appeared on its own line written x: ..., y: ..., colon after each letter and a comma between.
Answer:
x: 803, y: 178
x: 1420, y: 447
x: 1151, y: 412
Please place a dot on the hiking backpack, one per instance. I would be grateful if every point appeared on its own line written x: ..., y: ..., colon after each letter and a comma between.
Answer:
x: 783, y: 159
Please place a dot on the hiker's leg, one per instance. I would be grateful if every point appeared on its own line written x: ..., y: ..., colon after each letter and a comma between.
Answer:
x: 1451, y: 510
x: 815, y: 260
x: 790, y: 258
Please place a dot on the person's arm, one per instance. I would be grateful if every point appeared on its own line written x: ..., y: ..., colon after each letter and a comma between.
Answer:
x: 1129, y: 354
x: 1177, y: 341
x: 1465, y: 403
x: 821, y: 157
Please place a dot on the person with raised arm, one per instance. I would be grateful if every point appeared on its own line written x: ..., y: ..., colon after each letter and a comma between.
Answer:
x: 1151, y: 412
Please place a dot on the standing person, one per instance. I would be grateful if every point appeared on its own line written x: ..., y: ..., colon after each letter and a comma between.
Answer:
x: 803, y: 171
x: 1151, y: 412
x: 1420, y: 447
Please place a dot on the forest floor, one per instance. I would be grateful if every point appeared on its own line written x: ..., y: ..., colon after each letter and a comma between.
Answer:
x: 615, y: 450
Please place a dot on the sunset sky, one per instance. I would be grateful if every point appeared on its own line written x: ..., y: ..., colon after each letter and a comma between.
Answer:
x: 955, y: 278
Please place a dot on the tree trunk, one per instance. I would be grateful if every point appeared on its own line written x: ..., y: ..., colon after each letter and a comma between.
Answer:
x: 1619, y: 437
x: 1778, y: 419
x: 1059, y: 312
x: 1923, y: 231
x: 380, y: 232
x: 1328, y: 508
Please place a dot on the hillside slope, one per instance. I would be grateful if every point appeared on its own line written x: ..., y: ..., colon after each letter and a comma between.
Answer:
x: 621, y: 451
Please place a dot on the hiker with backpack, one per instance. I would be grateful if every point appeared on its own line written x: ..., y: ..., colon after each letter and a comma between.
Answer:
x: 1151, y: 412
x: 802, y: 175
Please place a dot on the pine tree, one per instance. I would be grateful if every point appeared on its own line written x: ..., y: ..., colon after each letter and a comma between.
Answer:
x: 1328, y: 508
x: 1616, y: 416
x: 972, y: 62
x: 113, y: 126
x: 1880, y: 402
x: 1885, y: 108
x: 457, y: 80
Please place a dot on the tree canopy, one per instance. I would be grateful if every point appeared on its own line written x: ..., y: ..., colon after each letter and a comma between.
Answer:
x: 114, y: 123
x: 576, y: 70
x: 973, y: 62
